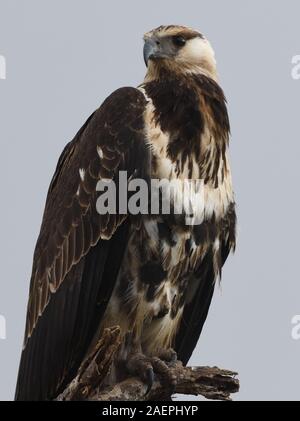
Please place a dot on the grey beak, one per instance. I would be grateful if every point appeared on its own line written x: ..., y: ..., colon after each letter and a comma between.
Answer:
x: 151, y: 50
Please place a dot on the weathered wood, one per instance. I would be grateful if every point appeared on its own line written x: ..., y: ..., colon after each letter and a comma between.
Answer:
x: 210, y: 382
x: 95, y: 368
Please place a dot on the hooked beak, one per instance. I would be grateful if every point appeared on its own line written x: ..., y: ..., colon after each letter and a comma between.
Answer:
x: 152, y: 50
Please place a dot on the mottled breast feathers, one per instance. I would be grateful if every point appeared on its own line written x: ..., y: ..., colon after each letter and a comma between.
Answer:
x: 185, y: 108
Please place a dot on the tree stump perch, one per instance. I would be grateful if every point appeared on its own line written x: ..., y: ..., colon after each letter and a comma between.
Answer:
x: 209, y: 382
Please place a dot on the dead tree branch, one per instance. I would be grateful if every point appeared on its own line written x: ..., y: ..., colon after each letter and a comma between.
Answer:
x: 210, y: 382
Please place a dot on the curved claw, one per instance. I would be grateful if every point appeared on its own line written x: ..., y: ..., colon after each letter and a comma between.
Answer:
x: 149, y: 379
x: 172, y: 386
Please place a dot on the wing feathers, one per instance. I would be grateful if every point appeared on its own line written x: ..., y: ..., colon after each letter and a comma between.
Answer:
x: 69, y: 261
x: 195, y: 312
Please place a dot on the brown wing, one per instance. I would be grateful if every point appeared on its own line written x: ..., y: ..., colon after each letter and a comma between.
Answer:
x: 79, y: 252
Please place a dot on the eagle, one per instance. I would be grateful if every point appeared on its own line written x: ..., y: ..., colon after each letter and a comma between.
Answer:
x: 153, y: 275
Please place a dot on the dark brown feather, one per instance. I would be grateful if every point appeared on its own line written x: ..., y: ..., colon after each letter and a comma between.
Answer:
x: 70, y: 260
x: 195, y: 311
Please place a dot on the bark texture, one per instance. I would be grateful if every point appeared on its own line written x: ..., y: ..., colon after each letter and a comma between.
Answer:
x: 210, y: 382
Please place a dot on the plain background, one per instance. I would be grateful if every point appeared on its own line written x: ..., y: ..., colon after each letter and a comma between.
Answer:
x: 63, y: 59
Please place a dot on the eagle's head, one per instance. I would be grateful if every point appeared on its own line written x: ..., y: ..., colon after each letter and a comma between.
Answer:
x: 178, y: 49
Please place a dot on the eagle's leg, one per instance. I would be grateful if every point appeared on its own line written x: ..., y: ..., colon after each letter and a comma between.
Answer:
x: 169, y: 355
x: 146, y: 367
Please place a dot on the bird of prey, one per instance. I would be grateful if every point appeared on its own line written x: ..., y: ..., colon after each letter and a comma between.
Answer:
x: 151, y: 275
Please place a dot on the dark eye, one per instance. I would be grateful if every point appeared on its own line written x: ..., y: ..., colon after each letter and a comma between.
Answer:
x: 178, y: 40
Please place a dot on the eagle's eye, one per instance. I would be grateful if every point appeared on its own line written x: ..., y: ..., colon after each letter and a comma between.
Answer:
x: 178, y: 40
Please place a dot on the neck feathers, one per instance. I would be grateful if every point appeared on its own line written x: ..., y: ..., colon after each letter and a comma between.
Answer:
x: 179, y: 70
x: 192, y: 111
